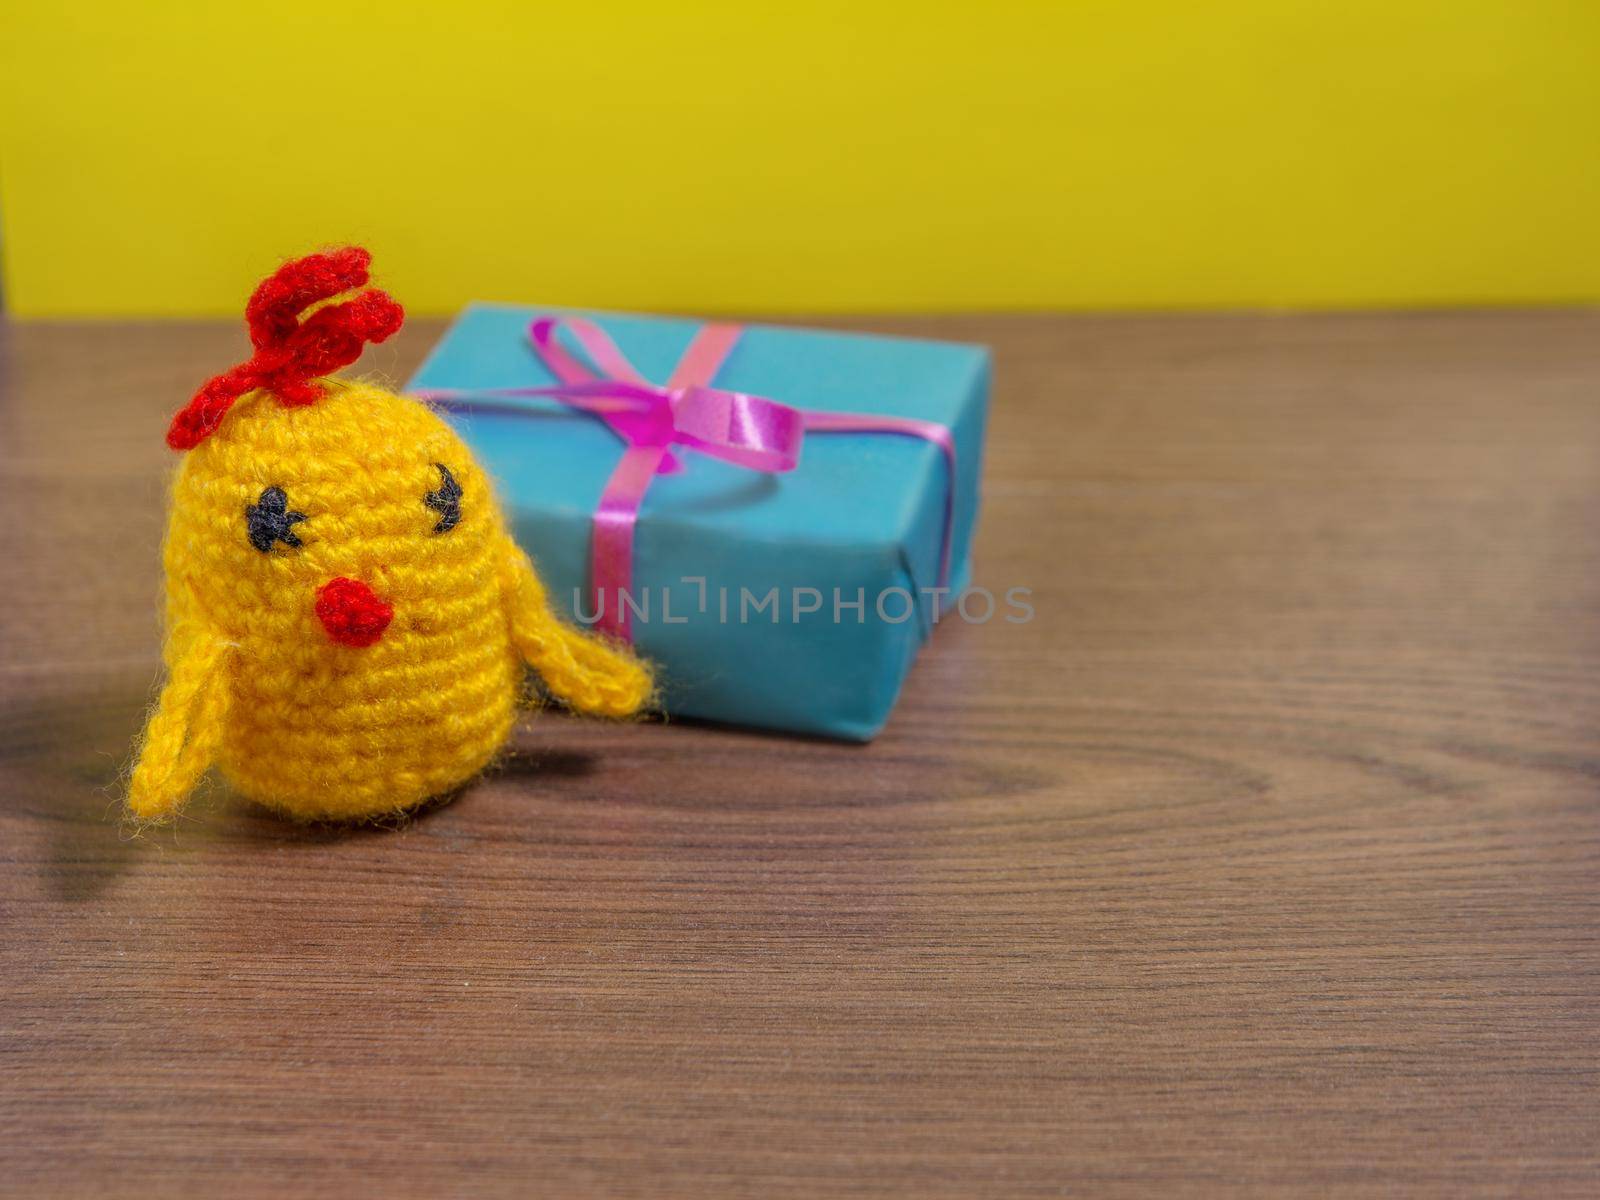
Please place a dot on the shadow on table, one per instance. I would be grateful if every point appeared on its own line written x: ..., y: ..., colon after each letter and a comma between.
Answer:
x: 64, y: 760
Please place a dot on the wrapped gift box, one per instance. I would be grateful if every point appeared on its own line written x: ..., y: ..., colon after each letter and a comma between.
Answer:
x: 794, y: 600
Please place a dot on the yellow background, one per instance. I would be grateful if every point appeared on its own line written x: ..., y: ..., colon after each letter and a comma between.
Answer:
x: 791, y: 157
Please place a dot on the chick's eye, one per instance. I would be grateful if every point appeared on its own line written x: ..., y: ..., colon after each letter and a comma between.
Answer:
x: 269, y: 521
x: 445, y: 500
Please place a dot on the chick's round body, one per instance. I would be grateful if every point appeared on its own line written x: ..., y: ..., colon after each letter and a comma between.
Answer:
x: 351, y: 557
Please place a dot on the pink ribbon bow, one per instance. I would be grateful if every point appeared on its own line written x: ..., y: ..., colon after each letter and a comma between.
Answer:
x: 748, y: 431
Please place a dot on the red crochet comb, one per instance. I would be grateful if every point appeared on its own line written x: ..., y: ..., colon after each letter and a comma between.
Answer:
x: 292, y: 354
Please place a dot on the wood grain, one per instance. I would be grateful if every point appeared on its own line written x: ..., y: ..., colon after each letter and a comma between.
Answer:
x: 1264, y: 861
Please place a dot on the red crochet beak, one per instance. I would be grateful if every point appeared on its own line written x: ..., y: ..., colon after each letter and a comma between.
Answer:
x: 351, y: 612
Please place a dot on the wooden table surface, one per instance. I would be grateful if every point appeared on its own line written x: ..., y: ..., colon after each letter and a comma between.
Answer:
x: 1264, y: 861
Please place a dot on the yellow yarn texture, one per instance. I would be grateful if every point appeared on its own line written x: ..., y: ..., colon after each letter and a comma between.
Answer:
x: 358, y: 487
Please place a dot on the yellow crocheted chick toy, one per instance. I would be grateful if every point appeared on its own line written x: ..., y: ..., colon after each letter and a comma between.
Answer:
x: 347, y: 619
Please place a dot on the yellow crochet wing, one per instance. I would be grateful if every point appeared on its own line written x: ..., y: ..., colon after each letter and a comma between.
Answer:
x: 581, y: 670
x: 180, y: 741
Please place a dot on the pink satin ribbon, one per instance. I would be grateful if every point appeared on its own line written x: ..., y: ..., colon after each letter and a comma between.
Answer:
x: 748, y: 431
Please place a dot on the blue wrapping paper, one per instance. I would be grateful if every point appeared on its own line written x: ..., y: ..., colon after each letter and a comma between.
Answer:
x: 745, y: 584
